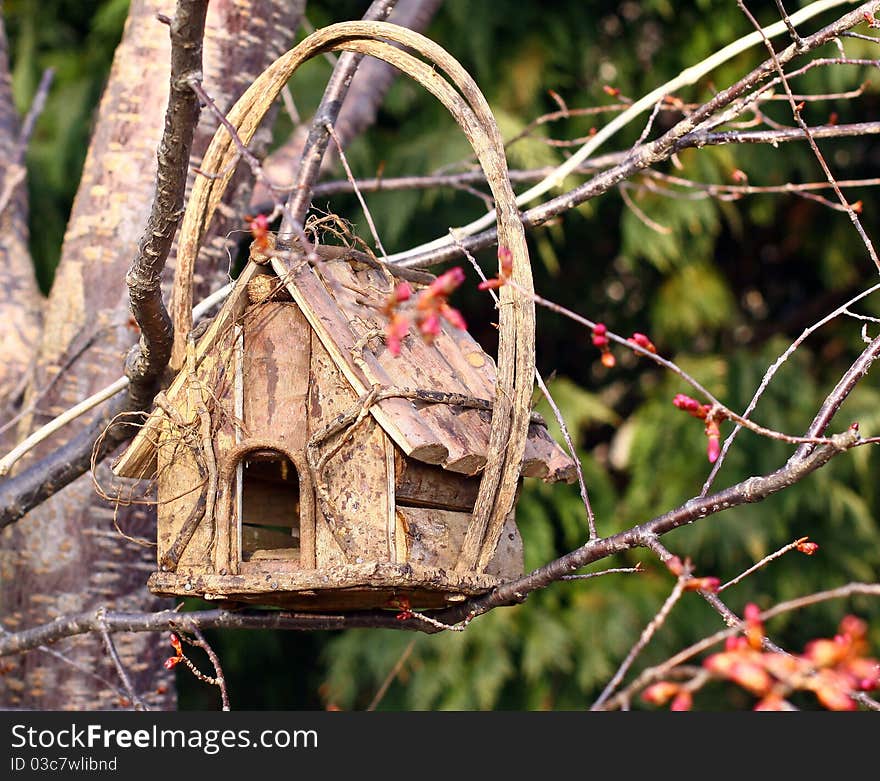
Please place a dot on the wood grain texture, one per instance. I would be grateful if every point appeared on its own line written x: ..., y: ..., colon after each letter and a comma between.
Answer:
x: 434, y: 538
x: 355, y: 477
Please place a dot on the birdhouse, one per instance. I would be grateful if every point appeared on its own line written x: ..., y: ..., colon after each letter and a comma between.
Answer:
x: 299, y: 463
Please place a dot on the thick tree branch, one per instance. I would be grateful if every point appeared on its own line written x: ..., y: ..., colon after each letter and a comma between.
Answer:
x: 112, y: 621
x: 144, y: 277
x: 22, y: 492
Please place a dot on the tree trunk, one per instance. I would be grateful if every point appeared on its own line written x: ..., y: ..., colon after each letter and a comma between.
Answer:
x: 68, y: 554
x: 20, y: 300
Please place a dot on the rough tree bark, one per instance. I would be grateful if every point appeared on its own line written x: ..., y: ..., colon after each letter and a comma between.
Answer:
x: 20, y: 299
x: 67, y: 555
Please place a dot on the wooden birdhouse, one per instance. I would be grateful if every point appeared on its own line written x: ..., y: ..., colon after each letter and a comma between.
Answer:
x: 299, y: 463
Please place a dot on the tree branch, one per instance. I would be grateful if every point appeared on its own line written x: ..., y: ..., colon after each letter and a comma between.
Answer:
x: 640, y: 157
x: 144, y: 365
x: 117, y: 621
x: 689, y: 76
x: 327, y: 113
x: 369, y: 86
x: 22, y: 492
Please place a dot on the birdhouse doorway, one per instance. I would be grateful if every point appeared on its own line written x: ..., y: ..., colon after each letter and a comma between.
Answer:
x: 268, y: 507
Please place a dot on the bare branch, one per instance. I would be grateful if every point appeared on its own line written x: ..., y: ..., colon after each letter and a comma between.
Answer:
x: 336, y: 140
x: 811, y: 139
x: 327, y: 113
x: 660, y: 671
x: 392, y: 674
x: 648, y: 102
x: 144, y: 276
x: 115, y: 621
x: 219, y: 677
x: 763, y: 562
x: 647, y: 633
x: 138, y: 703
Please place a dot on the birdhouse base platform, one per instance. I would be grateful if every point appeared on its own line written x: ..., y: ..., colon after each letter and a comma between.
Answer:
x: 343, y: 587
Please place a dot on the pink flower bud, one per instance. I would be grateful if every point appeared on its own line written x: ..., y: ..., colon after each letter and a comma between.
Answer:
x: 643, y: 341
x: 402, y: 292
x: 453, y: 317
x: 446, y: 283
x: 429, y: 326
x: 690, y: 405
x: 713, y: 449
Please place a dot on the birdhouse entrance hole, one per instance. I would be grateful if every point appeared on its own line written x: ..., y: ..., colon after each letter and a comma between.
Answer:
x: 268, y: 506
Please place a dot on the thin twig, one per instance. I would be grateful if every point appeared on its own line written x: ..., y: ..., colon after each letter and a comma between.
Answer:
x: 582, y: 485
x: 392, y: 674
x: 796, y: 112
x: 675, y: 369
x: 679, y: 137
x: 762, y: 563
x: 647, y: 633
x: 613, y: 571
x: 796, y: 39
x: 219, y: 677
x: 665, y: 230
x: 46, y: 431
x: 88, y: 671
x: 133, y: 697
x: 357, y: 192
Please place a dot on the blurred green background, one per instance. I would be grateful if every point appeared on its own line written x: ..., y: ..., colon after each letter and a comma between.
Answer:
x: 722, y: 290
